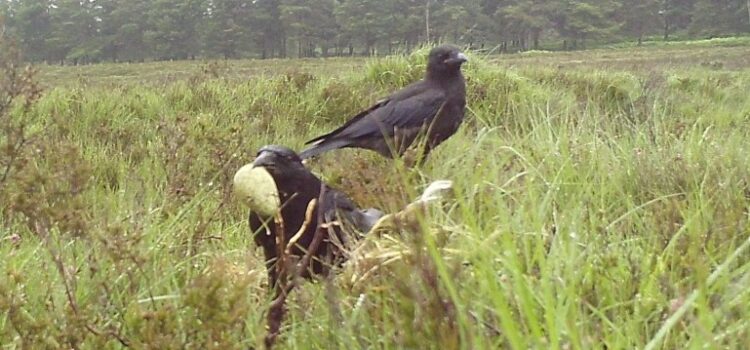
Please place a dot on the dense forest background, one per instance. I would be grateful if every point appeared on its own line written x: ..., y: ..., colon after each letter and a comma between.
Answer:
x: 85, y: 31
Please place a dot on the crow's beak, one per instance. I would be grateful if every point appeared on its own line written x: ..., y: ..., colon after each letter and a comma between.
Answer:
x: 457, y: 59
x: 265, y: 159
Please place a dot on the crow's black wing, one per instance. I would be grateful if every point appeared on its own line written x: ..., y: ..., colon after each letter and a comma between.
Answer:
x: 348, y: 222
x: 408, y: 108
x: 330, y: 140
x: 336, y: 203
x: 351, y: 121
x: 410, y: 112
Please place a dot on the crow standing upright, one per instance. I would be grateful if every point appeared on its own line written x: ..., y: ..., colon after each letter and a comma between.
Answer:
x: 297, y: 187
x: 433, y: 106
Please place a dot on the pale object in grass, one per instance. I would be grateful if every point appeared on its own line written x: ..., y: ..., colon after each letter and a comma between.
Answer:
x: 437, y: 190
x: 381, y: 249
x: 257, y: 189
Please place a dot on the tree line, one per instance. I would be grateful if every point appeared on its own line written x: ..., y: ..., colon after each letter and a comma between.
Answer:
x: 85, y: 31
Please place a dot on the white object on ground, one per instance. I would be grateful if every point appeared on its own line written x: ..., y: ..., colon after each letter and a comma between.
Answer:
x: 433, y: 191
x: 257, y: 189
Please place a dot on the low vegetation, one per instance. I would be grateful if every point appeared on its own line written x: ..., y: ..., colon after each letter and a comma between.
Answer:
x: 595, y: 206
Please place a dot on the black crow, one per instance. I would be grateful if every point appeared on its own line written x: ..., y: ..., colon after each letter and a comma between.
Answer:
x: 433, y: 106
x: 295, y: 188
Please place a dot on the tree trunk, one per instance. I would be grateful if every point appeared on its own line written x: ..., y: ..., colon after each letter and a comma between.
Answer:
x: 427, y: 20
x: 536, y: 36
x: 664, y: 12
x: 748, y: 11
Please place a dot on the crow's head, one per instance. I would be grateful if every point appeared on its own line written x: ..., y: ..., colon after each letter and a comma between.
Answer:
x: 276, y: 172
x: 445, y: 59
x: 279, y: 161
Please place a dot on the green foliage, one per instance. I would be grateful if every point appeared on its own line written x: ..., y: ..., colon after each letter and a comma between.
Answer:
x: 398, y: 71
x: 92, y: 31
x: 639, y: 17
x: 365, y: 21
x: 225, y: 30
x: 598, y: 203
x: 308, y: 22
x: 32, y: 25
x: 714, y: 18
x: 125, y: 29
x: 172, y: 30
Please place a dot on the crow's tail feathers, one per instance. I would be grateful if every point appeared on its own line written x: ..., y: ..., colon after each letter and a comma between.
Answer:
x: 322, y: 146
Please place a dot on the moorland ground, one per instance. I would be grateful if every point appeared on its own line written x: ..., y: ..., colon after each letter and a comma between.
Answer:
x: 601, y: 201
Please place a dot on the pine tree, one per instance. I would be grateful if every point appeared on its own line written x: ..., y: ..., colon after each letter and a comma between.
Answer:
x: 33, y: 27
x: 638, y: 17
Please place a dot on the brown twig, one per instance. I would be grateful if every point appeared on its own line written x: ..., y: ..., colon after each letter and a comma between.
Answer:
x: 308, y: 218
x: 284, y: 286
x: 317, y: 239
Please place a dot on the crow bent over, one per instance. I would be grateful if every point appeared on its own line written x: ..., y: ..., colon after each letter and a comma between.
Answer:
x: 297, y: 187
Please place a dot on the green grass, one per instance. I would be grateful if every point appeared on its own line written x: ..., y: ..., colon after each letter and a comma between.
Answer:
x: 601, y: 201
x: 737, y: 41
x: 157, y: 73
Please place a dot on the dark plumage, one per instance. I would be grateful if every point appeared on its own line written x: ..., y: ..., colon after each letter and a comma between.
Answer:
x: 297, y: 186
x: 433, y: 105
